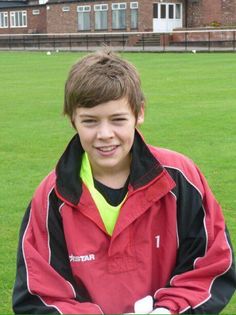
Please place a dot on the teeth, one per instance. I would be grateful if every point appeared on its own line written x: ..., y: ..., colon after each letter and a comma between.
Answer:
x: 107, y: 149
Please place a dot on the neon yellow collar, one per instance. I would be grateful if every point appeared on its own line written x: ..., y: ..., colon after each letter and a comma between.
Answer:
x: 109, y: 213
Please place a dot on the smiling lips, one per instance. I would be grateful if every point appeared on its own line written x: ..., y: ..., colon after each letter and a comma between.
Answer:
x: 106, y: 150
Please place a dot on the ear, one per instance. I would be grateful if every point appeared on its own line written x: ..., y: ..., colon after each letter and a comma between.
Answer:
x: 73, y: 124
x: 72, y: 121
x: 140, y: 118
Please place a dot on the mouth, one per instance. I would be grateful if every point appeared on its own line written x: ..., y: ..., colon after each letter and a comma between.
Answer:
x: 107, y: 149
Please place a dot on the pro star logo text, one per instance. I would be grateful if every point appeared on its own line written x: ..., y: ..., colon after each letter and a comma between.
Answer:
x: 82, y: 258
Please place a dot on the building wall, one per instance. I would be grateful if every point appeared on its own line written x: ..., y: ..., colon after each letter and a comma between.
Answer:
x: 59, y: 21
x: 193, y: 14
x: 145, y: 15
x: 35, y: 23
x: 228, y: 9
x: 203, y: 13
x: 52, y: 19
x: 211, y: 12
x: 63, y: 22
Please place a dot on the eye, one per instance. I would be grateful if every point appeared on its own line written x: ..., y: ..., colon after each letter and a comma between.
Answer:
x: 119, y: 119
x: 88, y: 121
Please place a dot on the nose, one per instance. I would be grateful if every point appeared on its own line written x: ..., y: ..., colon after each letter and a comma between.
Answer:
x: 105, y: 131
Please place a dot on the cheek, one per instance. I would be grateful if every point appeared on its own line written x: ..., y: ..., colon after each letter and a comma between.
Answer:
x: 85, y: 137
x: 129, y: 137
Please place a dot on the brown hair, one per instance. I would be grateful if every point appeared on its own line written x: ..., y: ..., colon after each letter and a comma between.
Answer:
x: 101, y: 77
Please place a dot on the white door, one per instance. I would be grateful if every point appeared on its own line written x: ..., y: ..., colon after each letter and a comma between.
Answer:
x: 167, y: 16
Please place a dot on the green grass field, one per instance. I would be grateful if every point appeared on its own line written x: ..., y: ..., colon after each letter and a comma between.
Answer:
x: 191, y: 108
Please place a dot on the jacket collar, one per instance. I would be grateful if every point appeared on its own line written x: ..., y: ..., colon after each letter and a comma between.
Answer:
x: 144, y: 166
x: 144, y: 169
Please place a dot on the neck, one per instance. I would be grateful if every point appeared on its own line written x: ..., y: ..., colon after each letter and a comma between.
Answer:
x: 115, y: 177
x: 117, y: 181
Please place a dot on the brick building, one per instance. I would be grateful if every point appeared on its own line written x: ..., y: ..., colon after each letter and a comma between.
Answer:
x: 73, y: 16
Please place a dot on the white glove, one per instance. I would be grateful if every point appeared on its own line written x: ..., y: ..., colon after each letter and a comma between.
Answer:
x: 144, y: 305
x: 160, y: 310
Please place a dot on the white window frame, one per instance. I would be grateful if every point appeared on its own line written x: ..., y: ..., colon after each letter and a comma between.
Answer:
x: 84, y: 8
x: 167, y: 12
x: 4, y: 20
x: 133, y: 5
x: 66, y: 9
x: 100, y: 7
x: 13, y: 23
x: 180, y: 11
x: 35, y: 12
x: 119, y: 6
x: 116, y: 7
x: 134, y: 8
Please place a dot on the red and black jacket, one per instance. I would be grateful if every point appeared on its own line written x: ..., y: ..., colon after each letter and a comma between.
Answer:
x: 170, y: 241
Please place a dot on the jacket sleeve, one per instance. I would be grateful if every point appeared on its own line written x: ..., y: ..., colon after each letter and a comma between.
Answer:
x: 44, y: 282
x: 203, y: 280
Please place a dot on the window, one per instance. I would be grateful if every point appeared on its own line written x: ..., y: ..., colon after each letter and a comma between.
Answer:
x: 3, y: 19
x: 101, y: 16
x: 84, y: 17
x: 118, y: 15
x: 155, y: 10
x: 35, y: 12
x: 101, y: 7
x: 178, y: 11
x: 134, y: 15
x: 65, y: 9
x: 18, y: 18
x: 133, y: 5
x: 163, y: 11
x: 171, y: 11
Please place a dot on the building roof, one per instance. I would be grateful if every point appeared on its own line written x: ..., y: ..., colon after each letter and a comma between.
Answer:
x: 12, y: 3
x: 25, y: 3
x: 68, y: 1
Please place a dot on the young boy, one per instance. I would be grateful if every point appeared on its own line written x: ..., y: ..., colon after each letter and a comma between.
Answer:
x: 120, y: 226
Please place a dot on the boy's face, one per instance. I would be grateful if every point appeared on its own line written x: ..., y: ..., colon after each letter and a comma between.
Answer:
x: 106, y: 133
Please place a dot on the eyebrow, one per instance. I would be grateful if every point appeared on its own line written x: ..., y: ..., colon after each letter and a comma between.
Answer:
x: 86, y: 115
x: 120, y: 114
x: 113, y: 115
